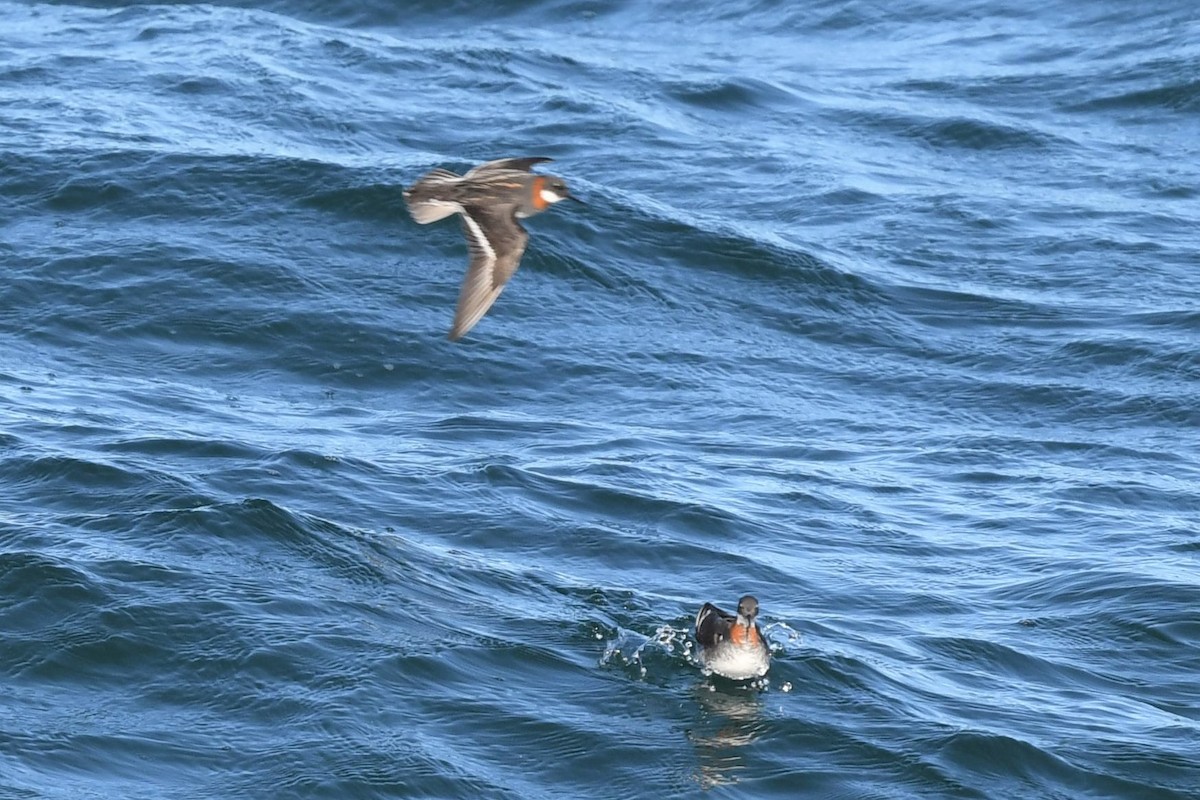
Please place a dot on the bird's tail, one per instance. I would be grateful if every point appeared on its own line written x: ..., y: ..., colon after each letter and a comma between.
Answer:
x: 427, y: 198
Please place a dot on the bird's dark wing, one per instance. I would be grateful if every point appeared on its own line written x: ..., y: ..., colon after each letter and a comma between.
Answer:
x: 522, y: 164
x: 712, y: 624
x: 495, y: 244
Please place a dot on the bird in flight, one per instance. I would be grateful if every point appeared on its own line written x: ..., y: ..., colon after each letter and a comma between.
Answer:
x: 491, y: 199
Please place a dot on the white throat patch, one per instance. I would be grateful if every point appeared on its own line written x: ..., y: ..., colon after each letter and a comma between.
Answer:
x: 549, y: 196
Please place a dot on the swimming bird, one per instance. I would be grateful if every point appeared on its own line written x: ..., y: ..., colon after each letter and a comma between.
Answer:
x: 490, y: 198
x: 732, y: 644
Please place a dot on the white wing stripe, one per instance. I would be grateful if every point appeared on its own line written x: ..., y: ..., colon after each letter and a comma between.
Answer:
x: 479, y: 289
x: 481, y: 240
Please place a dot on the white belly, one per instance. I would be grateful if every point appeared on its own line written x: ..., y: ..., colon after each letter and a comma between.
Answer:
x: 738, y: 663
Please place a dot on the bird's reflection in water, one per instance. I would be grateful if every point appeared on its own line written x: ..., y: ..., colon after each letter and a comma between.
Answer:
x: 729, y: 719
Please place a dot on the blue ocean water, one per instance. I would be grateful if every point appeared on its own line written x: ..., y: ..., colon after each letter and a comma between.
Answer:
x: 887, y: 313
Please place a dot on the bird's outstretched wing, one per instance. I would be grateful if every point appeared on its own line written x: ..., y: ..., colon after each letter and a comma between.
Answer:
x: 495, y: 244
x: 522, y: 164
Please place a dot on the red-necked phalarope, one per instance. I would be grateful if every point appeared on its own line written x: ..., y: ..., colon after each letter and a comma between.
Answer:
x: 490, y: 198
x: 732, y: 645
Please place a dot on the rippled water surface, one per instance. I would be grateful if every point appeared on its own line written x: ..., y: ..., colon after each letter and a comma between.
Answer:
x: 886, y: 313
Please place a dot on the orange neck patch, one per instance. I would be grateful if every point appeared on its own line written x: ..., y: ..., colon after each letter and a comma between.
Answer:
x: 538, y: 202
x: 743, y: 634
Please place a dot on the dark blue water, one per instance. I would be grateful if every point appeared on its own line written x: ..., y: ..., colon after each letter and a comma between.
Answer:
x: 888, y: 313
